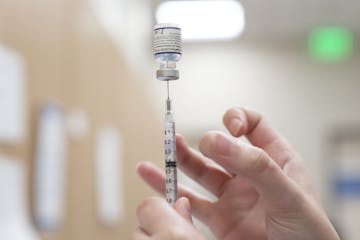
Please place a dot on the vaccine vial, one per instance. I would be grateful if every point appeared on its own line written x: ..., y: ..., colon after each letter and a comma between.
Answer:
x: 167, y: 50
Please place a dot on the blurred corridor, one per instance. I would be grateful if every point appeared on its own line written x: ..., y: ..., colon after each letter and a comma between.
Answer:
x: 79, y: 75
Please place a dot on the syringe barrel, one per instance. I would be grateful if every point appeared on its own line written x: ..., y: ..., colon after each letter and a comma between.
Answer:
x: 170, y: 159
x: 171, y: 184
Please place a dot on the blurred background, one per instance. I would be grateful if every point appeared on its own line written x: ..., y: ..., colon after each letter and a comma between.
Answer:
x: 80, y: 105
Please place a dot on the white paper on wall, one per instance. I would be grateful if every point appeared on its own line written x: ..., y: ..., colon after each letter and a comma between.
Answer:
x: 12, y: 97
x: 15, y: 221
x: 109, y: 185
x: 50, y: 165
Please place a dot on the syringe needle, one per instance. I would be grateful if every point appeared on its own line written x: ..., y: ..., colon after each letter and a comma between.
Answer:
x: 168, y: 101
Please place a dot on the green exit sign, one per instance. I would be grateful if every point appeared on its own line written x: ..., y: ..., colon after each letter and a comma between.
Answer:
x: 330, y: 44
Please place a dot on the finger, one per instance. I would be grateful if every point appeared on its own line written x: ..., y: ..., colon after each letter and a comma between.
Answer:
x: 139, y: 234
x: 242, y: 121
x: 252, y: 163
x: 155, y: 178
x: 156, y: 208
x: 182, y: 206
x: 161, y: 221
x: 200, y: 169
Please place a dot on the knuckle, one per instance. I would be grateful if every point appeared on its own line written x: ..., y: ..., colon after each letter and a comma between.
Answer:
x: 145, y: 206
x: 260, y: 162
x: 230, y: 113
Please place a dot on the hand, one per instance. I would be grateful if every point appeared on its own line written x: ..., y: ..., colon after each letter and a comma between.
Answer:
x: 263, y: 190
x: 158, y: 220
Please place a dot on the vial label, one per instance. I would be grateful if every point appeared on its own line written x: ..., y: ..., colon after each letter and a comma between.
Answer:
x: 167, y: 40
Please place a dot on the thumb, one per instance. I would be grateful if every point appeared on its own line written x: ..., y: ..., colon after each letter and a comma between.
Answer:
x: 182, y: 206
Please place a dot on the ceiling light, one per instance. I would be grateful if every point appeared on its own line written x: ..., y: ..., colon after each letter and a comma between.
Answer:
x: 204, y: 20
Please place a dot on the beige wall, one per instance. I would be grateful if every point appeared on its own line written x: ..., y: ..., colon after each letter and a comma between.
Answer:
x: 80, y: 68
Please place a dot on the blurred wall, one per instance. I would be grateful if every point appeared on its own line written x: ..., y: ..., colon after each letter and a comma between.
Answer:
x: 71, y: 60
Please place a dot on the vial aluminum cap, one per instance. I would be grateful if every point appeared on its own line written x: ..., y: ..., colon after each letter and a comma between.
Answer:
x: 167, y: 39
x: 167, y: 74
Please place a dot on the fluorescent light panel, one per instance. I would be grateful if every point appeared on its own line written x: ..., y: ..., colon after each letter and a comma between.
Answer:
x: 204, y: 20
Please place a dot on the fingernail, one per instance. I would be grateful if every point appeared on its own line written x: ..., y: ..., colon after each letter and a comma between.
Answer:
x: 224, y: 145
x: 206, y: 144
x: 235, y: 125
x: 138, y: 166
x: 143, y: 165
x: 185, y: 203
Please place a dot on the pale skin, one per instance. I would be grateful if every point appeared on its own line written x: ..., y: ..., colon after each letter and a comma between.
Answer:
x: 263, y: 190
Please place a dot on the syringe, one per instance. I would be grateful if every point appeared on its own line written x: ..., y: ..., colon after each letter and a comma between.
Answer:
x: 167, y: 51
x: 170, y: 155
